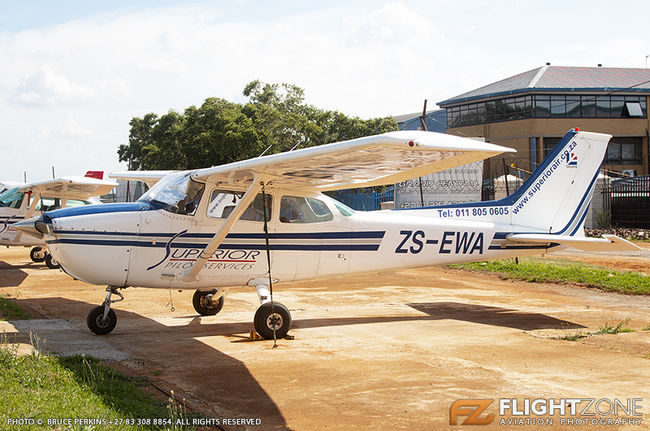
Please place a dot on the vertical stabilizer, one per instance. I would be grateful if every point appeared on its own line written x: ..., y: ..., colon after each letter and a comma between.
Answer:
x: 556, y: 197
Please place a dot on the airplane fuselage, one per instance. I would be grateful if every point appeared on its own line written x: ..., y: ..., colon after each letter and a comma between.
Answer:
x: 139, y: 245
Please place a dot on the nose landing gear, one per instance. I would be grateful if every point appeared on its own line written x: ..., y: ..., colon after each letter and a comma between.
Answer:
x: 102, y: 320
x: 41, y: 254
x: 208, y: 302
x: 37, y: 254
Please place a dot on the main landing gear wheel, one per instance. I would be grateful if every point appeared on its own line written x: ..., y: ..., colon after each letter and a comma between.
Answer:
x: 272, y: 316
x: 50, y: 262
x: 102, y: 320
x: 37, y: 254
x: 99, y: 324
x: 204, y: 304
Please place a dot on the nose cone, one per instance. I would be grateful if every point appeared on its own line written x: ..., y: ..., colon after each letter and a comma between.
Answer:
x: 34, y: 226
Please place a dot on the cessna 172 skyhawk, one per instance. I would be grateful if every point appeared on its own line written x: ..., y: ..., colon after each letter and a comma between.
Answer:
x: 205, y: 229
x: 22, y: 200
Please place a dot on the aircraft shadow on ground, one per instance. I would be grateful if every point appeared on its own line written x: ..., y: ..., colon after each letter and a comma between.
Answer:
x: 11, y: 275
x: 200, y: 367
x: 196, y: 366
x: 490, y: 315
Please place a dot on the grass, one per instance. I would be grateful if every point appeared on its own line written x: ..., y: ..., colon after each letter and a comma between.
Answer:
x: 9, y: 310
x: 559, y: 271
x: 575, y: 337
x: 42, y: 387
x: 609, y: 329
x: 621, y: 327
x: 647, y: 328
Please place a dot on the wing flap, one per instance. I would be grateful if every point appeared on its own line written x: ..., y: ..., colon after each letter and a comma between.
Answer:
x: 606, y: 243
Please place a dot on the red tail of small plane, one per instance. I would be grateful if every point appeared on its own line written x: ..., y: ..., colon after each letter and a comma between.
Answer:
x: 95, y: 174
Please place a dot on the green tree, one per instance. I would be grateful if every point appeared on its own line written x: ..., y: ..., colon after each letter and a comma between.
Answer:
x: 220, y: 131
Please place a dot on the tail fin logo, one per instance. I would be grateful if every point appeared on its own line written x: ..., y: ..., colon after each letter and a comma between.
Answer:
x: 570, y: 158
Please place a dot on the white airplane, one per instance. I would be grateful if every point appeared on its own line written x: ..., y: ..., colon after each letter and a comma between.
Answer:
x: 205, y: 229
x: 23, y: 200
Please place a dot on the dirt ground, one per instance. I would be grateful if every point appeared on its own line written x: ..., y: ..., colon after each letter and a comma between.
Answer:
x: 370, y: 352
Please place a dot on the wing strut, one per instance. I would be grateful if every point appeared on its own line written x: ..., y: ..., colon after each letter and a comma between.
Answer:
x: 217, y: 239
x: 30, y: 212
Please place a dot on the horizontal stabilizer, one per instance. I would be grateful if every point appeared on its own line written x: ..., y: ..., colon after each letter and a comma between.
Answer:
x: 606, y: 243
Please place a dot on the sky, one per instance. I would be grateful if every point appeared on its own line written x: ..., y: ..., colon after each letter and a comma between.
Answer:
x: 74, y: 73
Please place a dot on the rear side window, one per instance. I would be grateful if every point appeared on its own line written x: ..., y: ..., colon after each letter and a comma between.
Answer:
x: 75, y: 203
x: 296, y: 209
x: 222, y: 204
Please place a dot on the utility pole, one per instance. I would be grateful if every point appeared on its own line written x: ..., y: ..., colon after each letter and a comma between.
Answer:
x: 423, y: 123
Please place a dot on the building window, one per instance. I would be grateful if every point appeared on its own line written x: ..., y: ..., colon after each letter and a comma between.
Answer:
x: 633, y: 109
x: 547, y: 106
x: 624, y: 151
x: 549, y: 144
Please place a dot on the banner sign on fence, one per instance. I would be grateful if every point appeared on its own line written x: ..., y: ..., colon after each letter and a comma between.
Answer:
x: 457, y: 185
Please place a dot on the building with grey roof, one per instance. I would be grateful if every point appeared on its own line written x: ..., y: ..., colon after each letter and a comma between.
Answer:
x: 532, y: 110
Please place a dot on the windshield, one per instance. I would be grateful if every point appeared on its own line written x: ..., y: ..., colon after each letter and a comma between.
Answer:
x: 176, y: 193
x: 11, y: 198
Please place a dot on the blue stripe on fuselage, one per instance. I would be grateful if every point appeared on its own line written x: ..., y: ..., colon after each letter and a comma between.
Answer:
x: 285, y: 235
x: 100, y: 209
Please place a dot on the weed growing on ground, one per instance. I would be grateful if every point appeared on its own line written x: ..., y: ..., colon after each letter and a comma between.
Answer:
x: 609, y: 329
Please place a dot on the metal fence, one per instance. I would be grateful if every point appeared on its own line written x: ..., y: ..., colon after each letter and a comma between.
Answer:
x: 627, y: 200
x: 367, y: 199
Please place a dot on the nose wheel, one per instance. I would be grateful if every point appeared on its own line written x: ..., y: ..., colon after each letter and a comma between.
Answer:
x: 102, y: 320
x: 51, y: 262
x: 208, y: 302
x: 37, y: 254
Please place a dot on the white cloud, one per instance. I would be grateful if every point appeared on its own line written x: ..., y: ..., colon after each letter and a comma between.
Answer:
x: 46, y: 87
x: 73, y: 87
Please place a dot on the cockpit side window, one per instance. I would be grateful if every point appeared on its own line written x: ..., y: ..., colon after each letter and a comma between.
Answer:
x: 48, y: 204
x: 12, y: 198
x: 296, y: 209
x: 223, y: 202
x: 176, y: 193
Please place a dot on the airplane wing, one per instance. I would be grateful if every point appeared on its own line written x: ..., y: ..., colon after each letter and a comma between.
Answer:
x: 149, y: 177
x: 70, y: 187
x: 376, y: 160
x: 6, y: 185
x: 606, y: 243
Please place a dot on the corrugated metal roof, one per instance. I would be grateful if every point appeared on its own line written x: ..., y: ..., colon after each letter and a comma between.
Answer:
x: 548, y: 78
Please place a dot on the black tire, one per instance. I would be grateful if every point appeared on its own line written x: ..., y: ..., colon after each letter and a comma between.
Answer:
x: 98, y: 324
x: 205, y: 307
x: 33, y: 254
x: 50, y: 262
x: 264, y: 317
